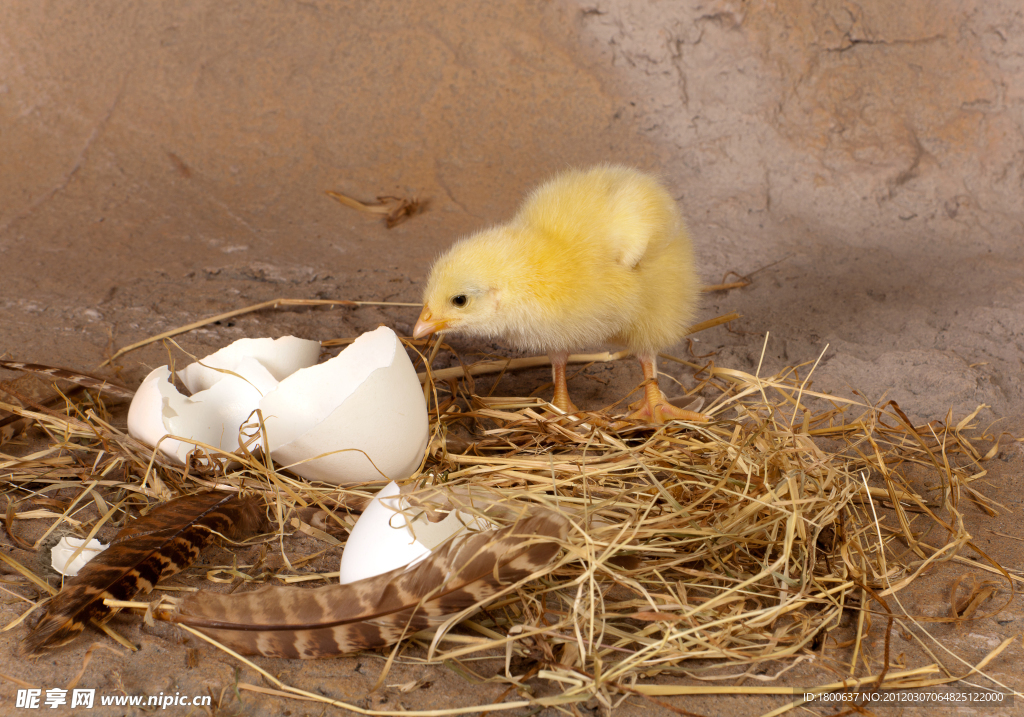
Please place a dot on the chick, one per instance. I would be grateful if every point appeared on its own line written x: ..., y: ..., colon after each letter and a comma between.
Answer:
x: 593, y: 256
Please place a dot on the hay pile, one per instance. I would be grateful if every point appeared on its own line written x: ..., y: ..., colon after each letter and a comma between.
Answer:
x: 736, y: 542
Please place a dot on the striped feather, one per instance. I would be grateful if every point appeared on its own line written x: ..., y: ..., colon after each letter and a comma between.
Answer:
x: 146, y: 551
x: 66, y: 374
x: 280, y: 621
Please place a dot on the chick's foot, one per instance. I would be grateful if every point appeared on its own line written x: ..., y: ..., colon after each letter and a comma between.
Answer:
x: 655, y: 406
x: 564, y: 402
x: 661, y: 411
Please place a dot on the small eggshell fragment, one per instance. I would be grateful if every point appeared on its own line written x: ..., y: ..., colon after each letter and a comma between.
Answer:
x: 60, y: 554
x: 364, y: 409
x: 382, y: 540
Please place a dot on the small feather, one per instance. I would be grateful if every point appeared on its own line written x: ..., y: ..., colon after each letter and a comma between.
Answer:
x: 144, y: 552
x: 281, y: 621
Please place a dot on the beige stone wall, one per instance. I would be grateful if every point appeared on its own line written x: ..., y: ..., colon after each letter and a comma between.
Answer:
x: 161, y: 161
x: 917, y: 106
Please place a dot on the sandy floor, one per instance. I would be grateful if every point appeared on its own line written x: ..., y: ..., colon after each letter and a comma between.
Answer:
x: 162, y: 162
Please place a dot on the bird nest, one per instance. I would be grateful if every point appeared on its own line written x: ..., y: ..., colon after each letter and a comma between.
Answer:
x: 691, y: 548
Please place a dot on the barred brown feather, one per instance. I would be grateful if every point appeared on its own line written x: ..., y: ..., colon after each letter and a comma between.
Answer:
x: 66, y: 374
x: 146, y: 551
x: 292, y: 622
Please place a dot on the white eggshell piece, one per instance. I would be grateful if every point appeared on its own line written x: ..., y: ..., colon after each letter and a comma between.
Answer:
x: 60, y: 554
x: 367, y: 398
x: 222, y: 399
x: 275, y: 358
x: 146, y: 413
x: 382, y: 540
x: 213, y: 416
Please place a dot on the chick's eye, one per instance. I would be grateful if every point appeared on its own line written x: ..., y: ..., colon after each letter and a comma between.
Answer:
x: 460, y: 300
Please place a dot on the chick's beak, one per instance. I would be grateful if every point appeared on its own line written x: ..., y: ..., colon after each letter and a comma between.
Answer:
x: 427, y: 324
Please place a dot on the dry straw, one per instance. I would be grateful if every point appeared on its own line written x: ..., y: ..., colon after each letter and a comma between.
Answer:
x: 696, y: 550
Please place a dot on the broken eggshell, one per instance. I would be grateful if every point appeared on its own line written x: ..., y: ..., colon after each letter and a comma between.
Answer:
x: 150, y: 408
x: 384, y: 538
x: 222, y: 400
x: 359, y: 417
x: 363, y: 412
x: 60, y: 554
x: 263, y: 362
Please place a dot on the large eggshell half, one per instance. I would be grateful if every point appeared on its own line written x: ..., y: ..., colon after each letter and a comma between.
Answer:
x: 60, y: 554
x: 383, y: 539
x: 222, y: 400
x: 363, y: 412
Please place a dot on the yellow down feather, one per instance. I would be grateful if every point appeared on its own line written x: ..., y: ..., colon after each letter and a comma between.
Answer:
x: 593, y: 256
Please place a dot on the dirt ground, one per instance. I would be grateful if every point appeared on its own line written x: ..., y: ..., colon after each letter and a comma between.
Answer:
x: 161, y: 162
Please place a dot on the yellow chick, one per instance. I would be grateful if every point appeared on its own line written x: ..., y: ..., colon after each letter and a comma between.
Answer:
x: 593, y: 256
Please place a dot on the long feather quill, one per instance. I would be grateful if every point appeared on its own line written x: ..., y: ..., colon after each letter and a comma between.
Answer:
x: 144, y: 552
x: 293, y: 622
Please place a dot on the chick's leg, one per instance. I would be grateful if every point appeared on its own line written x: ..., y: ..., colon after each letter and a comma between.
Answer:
x: 561, y: 399
x: 655, y: 406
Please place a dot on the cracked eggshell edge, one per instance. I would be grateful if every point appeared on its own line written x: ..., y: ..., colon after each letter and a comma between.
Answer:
x: 277, y: 358
x: 146, y: 414
x: 379, y: 541
x: 214, y: 414
x: 363, y: 412
x: 212, y: 417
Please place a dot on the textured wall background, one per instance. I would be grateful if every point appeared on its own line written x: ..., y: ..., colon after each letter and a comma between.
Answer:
x: 163, y: 160
x: 863, y: 160
x: 835, y: 102
x: 879, y: 151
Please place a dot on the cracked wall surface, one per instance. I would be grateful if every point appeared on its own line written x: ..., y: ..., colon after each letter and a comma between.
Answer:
x: 878, y: 154
x: 910, y: 108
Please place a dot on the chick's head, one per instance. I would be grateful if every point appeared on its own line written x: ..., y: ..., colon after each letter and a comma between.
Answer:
x: 464, y: 290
